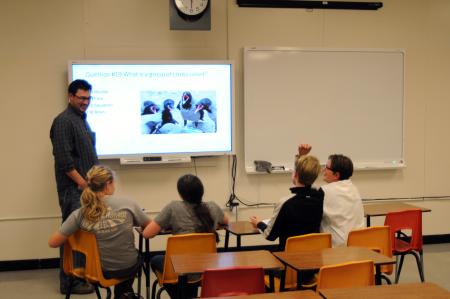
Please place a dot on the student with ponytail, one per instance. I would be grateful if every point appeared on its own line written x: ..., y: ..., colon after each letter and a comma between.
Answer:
x: 191, y: 215
x: 112, y: 220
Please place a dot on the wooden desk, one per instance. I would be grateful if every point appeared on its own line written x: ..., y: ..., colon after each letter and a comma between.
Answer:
x: 184, y: 264
x: 284, y: 295
x: 397, y: 291
x: 314, y: 260
x: 239, y: 228
x: 381, y: 209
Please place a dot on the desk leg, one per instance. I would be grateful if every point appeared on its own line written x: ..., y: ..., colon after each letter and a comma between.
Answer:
x: 299, y: 280
x: 238, y: 242
x: 140, y: 269
x: 227, y: 238
x: 181, y: 288
x: 368, y: 221
x: 271, y: 282
x: 282, y: 279
x: 377, y: 274
x: 147, y: 267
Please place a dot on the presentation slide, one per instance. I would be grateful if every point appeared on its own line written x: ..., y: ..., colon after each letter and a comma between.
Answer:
x: 157, y: 109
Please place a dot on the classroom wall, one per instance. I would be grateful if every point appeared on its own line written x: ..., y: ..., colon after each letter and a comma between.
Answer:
x: 38, y: 38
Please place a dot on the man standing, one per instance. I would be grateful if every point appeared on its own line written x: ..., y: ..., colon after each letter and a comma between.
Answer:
x: 342, y: 205
x: 74, y: 152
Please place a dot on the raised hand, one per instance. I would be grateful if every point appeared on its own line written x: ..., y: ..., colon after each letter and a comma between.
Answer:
x: 304, y: 149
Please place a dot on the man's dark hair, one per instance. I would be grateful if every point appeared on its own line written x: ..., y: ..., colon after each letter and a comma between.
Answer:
x: 191, y: 190
x: 79, y: 84
x: 341, y: 164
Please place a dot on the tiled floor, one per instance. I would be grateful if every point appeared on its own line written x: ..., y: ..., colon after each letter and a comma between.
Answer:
x: 44, y: 283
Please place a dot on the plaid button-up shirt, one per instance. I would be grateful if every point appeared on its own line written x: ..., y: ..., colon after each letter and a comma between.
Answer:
x: 73, y: 146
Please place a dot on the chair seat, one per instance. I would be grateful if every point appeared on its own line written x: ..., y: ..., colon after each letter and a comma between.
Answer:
x: 78, y: 272
x: 401, y: 246
x: 162, y: 281
x: 387, y: 269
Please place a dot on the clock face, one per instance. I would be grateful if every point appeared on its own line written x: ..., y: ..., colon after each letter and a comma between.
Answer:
x: 191, y: 7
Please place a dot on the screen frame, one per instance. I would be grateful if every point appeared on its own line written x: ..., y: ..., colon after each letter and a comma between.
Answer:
x: 141, y: 156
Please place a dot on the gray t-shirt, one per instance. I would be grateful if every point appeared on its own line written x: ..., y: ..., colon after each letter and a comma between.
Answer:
x: 114, y: 232
x: 179, y: 216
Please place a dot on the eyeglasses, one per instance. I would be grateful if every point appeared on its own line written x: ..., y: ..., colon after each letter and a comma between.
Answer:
x: 83, y: 98
x: 329, y: 168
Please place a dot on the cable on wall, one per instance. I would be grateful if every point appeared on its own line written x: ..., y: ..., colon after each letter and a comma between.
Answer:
x: 234, y: 200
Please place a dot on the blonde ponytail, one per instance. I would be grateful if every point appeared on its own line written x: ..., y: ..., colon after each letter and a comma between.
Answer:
x: 91, y: 199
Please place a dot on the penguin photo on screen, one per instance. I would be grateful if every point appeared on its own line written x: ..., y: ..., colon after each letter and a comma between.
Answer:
x: 169, y: 124
x: 150, y: 117
x: 150, y: 108
x: 167, y: 116
x: 207, y: 105
x: 192, y: 110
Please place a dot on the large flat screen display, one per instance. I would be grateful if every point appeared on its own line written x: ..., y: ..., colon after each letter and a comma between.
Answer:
x: 159, y: 108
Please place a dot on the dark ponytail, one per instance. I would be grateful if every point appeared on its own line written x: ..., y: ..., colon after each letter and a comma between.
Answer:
x: 191, y: 190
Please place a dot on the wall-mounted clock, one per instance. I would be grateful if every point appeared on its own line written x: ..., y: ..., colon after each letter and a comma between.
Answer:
x: 191, y: 9
x: 190, y: 14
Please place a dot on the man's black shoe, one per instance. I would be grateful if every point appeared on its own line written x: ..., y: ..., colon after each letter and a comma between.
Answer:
x: 78, y: 287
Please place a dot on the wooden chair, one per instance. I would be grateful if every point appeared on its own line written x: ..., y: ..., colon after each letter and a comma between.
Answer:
x: 86, y: 243
x: 406, y: 220
x: 301, y: 243
x: 182, y: 244
x: 376, y: 238
x: 346, y: 275
x: 233, y: 281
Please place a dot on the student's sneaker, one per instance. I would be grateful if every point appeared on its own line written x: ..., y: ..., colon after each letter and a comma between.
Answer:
x: 78, y: 287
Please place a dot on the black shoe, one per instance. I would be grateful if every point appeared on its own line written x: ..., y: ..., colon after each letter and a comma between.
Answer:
x: 78, y: 287
x: 130, y: 295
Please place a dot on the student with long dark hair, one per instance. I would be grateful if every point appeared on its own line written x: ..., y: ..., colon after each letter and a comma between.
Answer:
x: 191, y: 215
x: 112, y: 220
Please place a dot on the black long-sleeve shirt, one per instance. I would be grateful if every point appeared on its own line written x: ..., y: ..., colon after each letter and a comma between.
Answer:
x: 73, y: 146
x: 299, y: 215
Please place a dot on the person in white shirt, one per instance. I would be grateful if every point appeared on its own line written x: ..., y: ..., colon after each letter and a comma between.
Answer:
x: 342, y: 206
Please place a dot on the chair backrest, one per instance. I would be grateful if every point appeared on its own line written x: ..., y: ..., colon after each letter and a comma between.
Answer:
x: 85, y: 243
x: 186, y: 244
x: 409, y: 220
x: 308, y: 242
x: 304, y: 243
x: 233, y: 281
x: 346, y: 275
x: 376, y: 238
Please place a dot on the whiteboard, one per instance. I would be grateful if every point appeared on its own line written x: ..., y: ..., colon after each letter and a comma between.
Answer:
x: 340, y: 101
